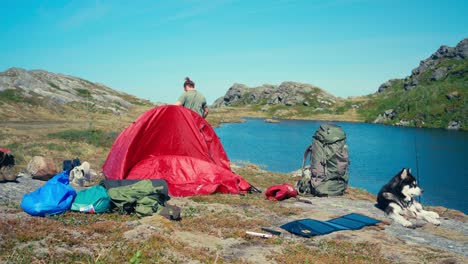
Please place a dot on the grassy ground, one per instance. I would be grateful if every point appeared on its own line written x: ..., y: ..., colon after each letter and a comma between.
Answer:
x: 212, y: 229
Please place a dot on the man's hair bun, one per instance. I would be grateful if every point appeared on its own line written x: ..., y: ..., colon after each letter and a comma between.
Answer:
x: 189, y: 82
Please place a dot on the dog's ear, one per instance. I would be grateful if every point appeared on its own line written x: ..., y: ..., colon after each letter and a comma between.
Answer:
x: 409, y: 170
x: 403, y: 174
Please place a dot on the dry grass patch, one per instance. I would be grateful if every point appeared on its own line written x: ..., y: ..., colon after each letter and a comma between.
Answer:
x: 159, y: 248
x: 448, y: 213
x: 359, y: 194
x: 261, y: 178
x: 226, y: 224
x: 330, y: 252
x: 251, y: 204
x: 62, y: 238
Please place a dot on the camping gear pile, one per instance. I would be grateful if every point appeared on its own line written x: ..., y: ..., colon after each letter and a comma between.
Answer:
x: 140, y: 197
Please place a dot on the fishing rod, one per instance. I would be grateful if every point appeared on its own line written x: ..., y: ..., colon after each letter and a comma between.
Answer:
x: 417, y: 165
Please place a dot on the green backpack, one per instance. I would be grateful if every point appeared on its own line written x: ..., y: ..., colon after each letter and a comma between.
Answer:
x: 92, y: 200
x: 141, y: 198
x: 329, y: 161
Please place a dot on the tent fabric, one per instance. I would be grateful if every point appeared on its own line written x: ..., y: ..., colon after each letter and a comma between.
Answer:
x: 55, y: 197
x: 312, y: 227
x: 175, y: 144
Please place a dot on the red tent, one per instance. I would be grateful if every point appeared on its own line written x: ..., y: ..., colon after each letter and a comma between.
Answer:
x: 175, y: 144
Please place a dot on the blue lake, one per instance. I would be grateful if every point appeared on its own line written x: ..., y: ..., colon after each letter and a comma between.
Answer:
x: 377, y: 153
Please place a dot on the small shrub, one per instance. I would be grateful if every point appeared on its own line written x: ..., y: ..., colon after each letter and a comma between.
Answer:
x: 83, y: 92
x: 11, y: 95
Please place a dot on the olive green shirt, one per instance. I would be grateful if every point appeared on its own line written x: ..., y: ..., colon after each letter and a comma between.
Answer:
x: 193, y: 100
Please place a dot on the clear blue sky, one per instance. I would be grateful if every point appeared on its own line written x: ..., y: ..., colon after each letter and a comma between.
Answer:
x: 146, y: 48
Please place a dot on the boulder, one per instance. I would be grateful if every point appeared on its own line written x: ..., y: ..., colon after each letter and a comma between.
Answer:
x: 389, y: 114
x: 384, y: 86
x: 265, y: 108
x: 454, y: 125
x: 411, y: 83
x: 41, y: 168
x: 380, y: 119
x: 290, y: 102
x: 275, y: 99
x: 385, y: 116
x: 439, y: 74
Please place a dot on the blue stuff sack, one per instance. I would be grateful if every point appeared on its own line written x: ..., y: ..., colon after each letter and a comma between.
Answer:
x: 55, y: 197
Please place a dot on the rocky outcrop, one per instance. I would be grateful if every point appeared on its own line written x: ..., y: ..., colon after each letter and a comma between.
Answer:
x: 384, y: 86
x: 287, y: 93
x: 433, y: 68
x: 454, y: 125
x: 389, y: 114
x: 56, y: 90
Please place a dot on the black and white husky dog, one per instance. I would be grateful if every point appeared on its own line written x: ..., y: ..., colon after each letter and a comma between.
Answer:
x: 397, y: 199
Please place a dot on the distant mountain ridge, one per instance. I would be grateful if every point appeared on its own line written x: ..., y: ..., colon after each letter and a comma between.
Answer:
x: 54, y: 92
x: 433, y: 95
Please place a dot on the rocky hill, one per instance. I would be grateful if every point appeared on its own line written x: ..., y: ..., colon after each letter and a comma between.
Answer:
x: 434, y: 95
x: 38, y: 94
x: 287, y: 93
x: 439, y: 66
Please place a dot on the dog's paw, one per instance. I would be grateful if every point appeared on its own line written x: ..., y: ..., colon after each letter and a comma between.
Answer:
x: 434, y: 222
x: 407, y: 224
x: 434, y: 215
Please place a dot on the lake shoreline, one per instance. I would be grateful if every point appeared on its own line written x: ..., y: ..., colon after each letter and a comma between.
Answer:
x: 219, y: 116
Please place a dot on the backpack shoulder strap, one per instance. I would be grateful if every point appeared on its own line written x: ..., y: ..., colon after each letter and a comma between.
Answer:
x: 307, y: 152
